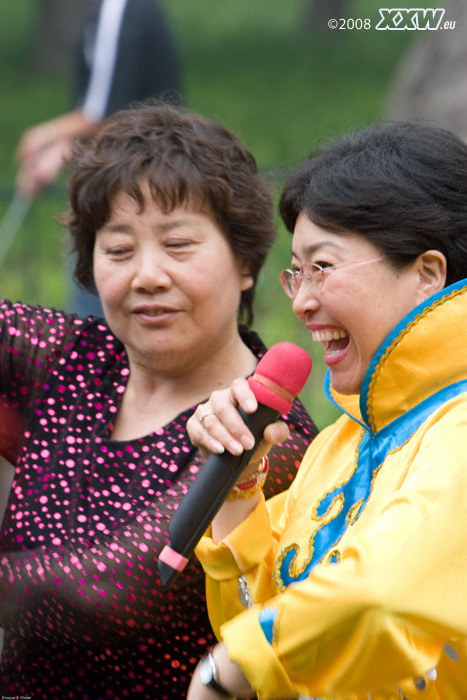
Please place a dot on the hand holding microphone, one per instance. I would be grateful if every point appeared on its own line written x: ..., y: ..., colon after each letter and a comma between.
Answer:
x: 220, y: 424
x: 279, y: 377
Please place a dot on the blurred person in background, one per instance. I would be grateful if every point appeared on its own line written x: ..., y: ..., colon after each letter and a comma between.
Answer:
x: 126, y: 53
x: 171, y: 223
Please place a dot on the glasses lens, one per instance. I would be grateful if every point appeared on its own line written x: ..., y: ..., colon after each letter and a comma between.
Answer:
x: 288, y: 282
x: 315, y: 273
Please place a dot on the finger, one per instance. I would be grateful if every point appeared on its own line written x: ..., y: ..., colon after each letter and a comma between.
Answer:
x: 235, y: 439
x: 199, y: 436
x: 220, y: 426
x: 230, y: 428
x: 243, y: 396
x: 276, y: 433
x: 207, y: 431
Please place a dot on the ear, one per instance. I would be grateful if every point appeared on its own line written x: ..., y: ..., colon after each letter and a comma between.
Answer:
x: 432, y: 270
x: 246, y: 277
x: 247, y: 282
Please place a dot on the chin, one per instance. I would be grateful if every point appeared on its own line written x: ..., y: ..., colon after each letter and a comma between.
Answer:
x: 346, y: 388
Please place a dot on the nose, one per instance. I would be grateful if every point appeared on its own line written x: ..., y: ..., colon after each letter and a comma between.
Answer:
x: 151, y: 272
x: 306, y: 299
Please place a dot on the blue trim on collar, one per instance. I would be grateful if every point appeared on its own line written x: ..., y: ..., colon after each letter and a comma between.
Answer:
x: 328, y: 394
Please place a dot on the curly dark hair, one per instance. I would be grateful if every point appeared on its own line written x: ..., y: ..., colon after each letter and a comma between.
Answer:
x: 187, y: 160
x: 403, y: 186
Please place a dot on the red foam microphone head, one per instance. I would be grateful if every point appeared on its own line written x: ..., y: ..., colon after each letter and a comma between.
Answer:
x: 280, y: 376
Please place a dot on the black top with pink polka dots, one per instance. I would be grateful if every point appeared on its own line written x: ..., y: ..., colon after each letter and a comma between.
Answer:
x: 80, y: 599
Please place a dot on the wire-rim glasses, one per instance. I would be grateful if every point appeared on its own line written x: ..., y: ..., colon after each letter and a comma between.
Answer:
x: 314, y: 274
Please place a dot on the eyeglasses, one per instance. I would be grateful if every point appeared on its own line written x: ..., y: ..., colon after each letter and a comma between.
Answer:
x: 314, y: 274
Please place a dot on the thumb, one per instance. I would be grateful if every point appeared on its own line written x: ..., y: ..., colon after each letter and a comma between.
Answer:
x: 276, y: 432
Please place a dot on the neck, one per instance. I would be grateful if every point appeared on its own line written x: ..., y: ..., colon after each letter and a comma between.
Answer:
x: 152, y: 398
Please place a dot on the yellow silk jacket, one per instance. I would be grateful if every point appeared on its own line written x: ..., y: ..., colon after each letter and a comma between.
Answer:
x: 358, y: 573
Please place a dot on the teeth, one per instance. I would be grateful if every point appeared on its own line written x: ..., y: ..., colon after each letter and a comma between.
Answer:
x: 321, y: 336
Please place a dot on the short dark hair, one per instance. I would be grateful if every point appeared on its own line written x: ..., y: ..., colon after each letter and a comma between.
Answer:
x: 402, y: 186
x: 188, y: 160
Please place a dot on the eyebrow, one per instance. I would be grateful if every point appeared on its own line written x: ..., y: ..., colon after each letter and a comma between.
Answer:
x: 309, y: 250
x: 126, y: 228
x: 114, y: 228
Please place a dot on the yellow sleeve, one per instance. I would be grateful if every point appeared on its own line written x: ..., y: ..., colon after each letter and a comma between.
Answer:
x: 382, y: 613
x: 240, y: 554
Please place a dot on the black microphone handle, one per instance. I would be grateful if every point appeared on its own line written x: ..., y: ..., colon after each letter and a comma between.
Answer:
x: 208, y: 492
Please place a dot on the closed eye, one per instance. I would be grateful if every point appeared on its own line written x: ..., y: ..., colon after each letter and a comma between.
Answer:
x: 180, y: 249
x: 176, y: 245
x: 118, y: 253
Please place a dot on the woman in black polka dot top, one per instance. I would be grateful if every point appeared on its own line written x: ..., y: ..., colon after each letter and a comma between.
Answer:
x: 171, y: 225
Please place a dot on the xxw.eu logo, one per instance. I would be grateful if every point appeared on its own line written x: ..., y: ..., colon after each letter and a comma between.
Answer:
x: 412, y: 19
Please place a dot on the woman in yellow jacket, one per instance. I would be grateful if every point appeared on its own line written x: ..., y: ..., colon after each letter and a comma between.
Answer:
x: 353, y: 584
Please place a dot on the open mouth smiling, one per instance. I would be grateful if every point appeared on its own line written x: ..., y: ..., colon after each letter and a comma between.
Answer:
x: 333, y: 341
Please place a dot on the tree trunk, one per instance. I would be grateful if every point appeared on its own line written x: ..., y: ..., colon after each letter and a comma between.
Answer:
x: 58, y: 26
x: 431, y: 81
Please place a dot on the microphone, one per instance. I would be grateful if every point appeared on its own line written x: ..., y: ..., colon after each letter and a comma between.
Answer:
x: 279, y: 377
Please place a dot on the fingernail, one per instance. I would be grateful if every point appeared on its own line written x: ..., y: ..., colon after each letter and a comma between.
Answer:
x: 219, y: 449
x: 248, y: 442
x: 250, y: 405
x: 236, y: 448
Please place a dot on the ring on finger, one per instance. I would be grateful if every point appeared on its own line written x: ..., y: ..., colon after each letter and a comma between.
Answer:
x: 201, y: 418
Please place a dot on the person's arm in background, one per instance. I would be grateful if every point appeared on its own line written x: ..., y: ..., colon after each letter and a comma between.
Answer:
x: 44, y: 148
x: 126, y: 54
